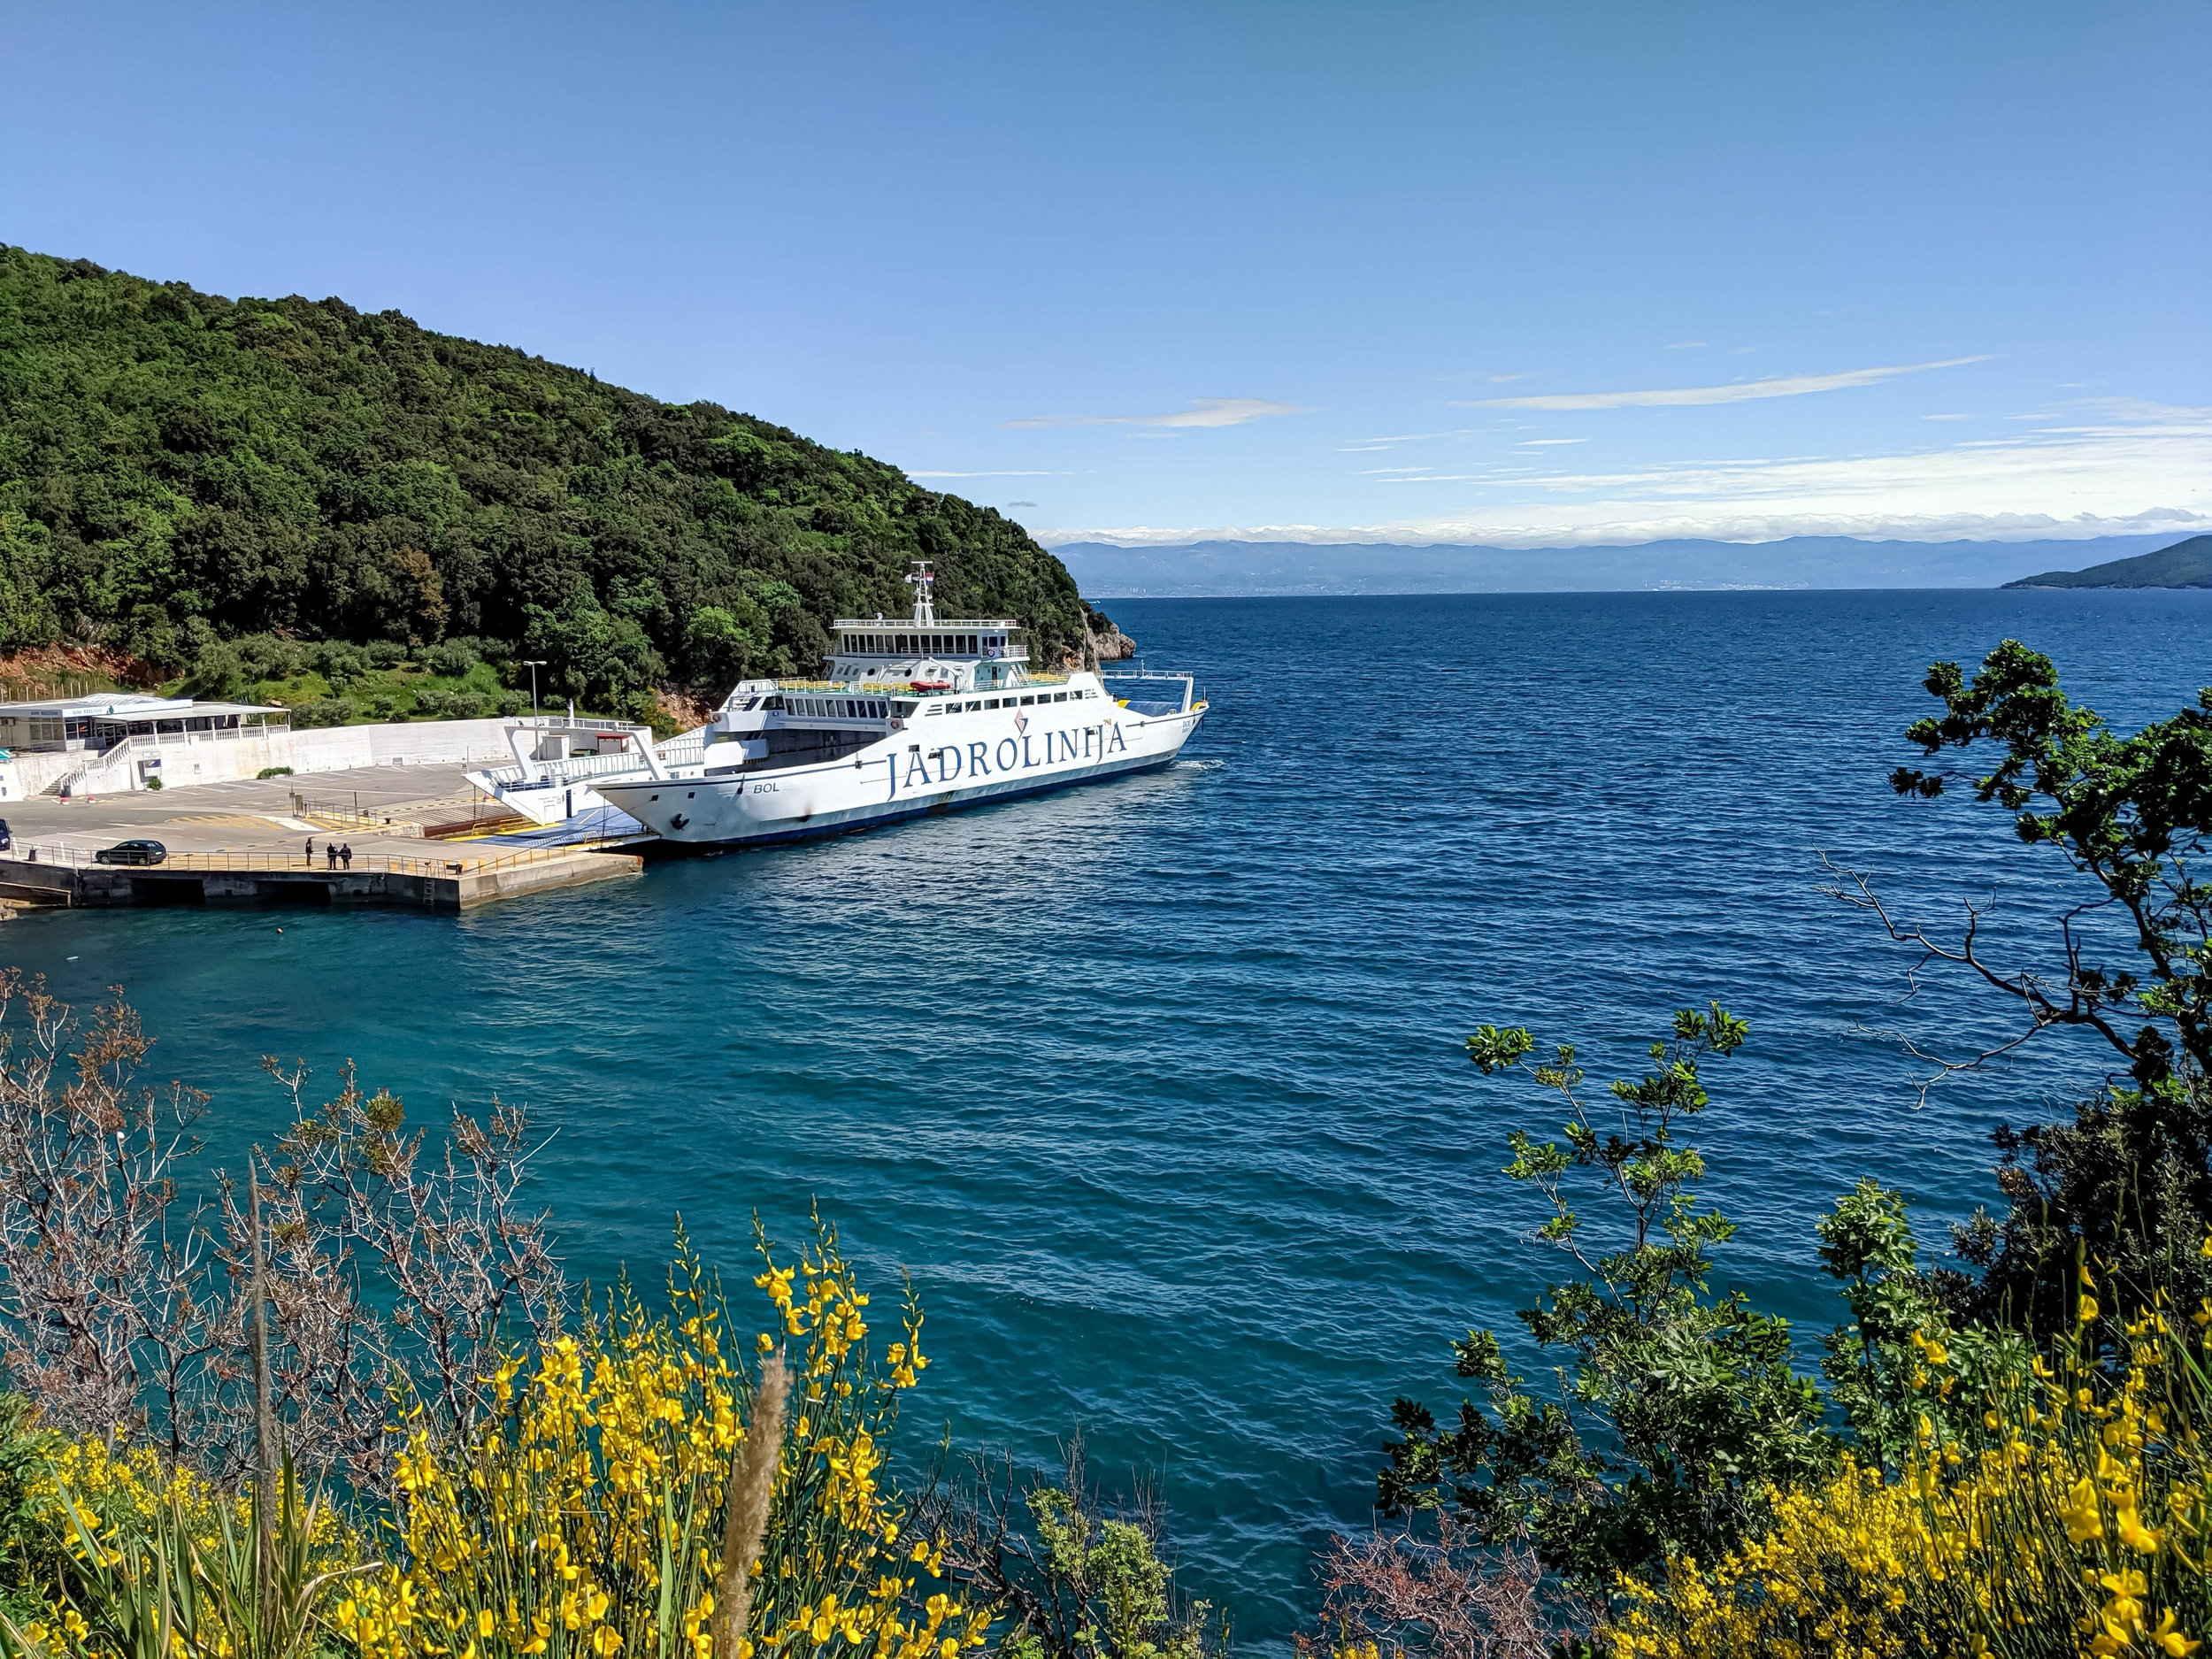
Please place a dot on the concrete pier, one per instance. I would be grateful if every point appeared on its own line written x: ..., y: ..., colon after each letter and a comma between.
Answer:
x: 238, y: 843
x: 455, y: 884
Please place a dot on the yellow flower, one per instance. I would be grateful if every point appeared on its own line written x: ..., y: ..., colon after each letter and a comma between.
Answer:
x: 2172, y: 1641
x: 2132, y: 1532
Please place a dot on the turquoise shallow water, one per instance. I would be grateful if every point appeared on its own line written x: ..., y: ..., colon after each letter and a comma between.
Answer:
x: 1157, y: 1087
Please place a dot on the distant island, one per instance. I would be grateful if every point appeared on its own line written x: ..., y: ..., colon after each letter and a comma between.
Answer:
x: 2185, y: 565
x: 1228, y: 568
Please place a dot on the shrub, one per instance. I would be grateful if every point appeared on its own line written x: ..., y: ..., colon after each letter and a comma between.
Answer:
x: 585, y: 1520
x: 269, y: 656
x: 2070, y: 1519
x: 1078, y: 1581
x: 451, y: 658
x: 384, y: 653
x: 337, y: 662
x: 1675, y: 1409
x: 464, y: 705
x: 153, y: 781
x: 567, y: 1494
x: 274, y: 772
x: 320, y: 712
x: 219, y: 675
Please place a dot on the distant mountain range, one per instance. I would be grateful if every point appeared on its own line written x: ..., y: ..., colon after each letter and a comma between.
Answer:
x: 2185, y: 565
x: 1230, y: 569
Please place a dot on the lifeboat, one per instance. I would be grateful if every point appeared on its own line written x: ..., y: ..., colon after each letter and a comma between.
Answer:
x: 931, y: 684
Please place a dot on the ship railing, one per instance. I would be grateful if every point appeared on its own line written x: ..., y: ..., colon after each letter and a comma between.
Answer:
x: 577, y: 723
x: 554, y: 774
x: 282, y: 863
x: 1140, y: 676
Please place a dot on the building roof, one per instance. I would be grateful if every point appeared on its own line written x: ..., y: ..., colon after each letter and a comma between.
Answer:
x: 123, y: 705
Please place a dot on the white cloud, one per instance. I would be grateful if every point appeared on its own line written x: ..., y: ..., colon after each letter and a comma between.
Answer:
x: 1507, y: 380
x: 2128, y: 468
x: 1687, y: 345
x: 1531, y: 443
x: 1203, y: 411
x: 989, y: 475
x: 1735, y: 392
x: 1363, y: 446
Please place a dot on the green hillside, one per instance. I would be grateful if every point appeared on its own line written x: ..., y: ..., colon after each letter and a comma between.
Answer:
x: 177, y: 471
x: 2185, y: 565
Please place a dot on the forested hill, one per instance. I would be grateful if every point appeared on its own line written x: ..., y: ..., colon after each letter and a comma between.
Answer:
x: 2185, y: 565
x: 178, y: 469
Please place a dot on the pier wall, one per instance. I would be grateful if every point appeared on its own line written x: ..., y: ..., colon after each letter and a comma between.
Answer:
x: 457, y: 885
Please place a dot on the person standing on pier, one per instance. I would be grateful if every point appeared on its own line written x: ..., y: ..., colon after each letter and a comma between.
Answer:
x: 311, y: 852
x: 345, y: 855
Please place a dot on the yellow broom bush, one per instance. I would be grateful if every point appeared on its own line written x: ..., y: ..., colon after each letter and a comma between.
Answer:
x: 2077, y: 1527
x: 589, y: 1518
x: 586, y: 1516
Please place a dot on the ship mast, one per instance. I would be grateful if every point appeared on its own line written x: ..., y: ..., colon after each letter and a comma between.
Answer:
x: 925, y: 606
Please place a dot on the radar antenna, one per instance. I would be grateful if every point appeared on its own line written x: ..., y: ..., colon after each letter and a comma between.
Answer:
x: 925, y: 607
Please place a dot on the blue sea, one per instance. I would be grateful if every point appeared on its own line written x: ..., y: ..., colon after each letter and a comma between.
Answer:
x: 1157, y: 1089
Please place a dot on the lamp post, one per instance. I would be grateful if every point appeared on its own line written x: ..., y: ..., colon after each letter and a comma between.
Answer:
x: 533, y: 664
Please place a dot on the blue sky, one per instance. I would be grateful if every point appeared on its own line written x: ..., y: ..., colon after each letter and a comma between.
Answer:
x: 1531, y: 275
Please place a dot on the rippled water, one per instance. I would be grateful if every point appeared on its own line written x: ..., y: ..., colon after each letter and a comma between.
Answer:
x: 1157, y: 1087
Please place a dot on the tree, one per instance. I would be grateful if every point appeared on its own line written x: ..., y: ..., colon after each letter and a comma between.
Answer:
x: 1672, y: 1408
x: 722, y: 647
x: 2128, y: 1177
x: 591, y: 653
x: 302, y: 467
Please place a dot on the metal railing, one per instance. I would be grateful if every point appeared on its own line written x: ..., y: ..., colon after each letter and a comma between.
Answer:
x: 326, y: 814
x: 580, y: 723
x: 282, y: 863
x: 553, y: 774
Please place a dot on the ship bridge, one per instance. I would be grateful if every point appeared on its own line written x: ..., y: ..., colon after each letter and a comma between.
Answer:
x: 964, y: 653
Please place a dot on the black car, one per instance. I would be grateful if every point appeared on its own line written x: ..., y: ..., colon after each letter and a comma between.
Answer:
x: 131, y: 853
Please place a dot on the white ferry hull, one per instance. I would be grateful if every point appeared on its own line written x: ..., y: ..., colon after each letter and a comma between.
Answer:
x: 932, y: 765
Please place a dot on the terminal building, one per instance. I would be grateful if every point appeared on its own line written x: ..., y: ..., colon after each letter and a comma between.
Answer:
x: 119, y: 731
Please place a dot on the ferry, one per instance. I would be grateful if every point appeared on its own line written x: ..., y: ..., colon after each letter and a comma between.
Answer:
x: 917, y: 715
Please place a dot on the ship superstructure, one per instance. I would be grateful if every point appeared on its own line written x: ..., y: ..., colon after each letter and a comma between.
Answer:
x: 915, y: 714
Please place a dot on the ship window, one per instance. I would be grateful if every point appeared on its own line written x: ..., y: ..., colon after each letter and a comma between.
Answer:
x: 990, y: 702
x: 1028, y: 701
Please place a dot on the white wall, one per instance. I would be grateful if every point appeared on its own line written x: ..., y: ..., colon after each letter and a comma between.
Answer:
x: 326, y: 749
